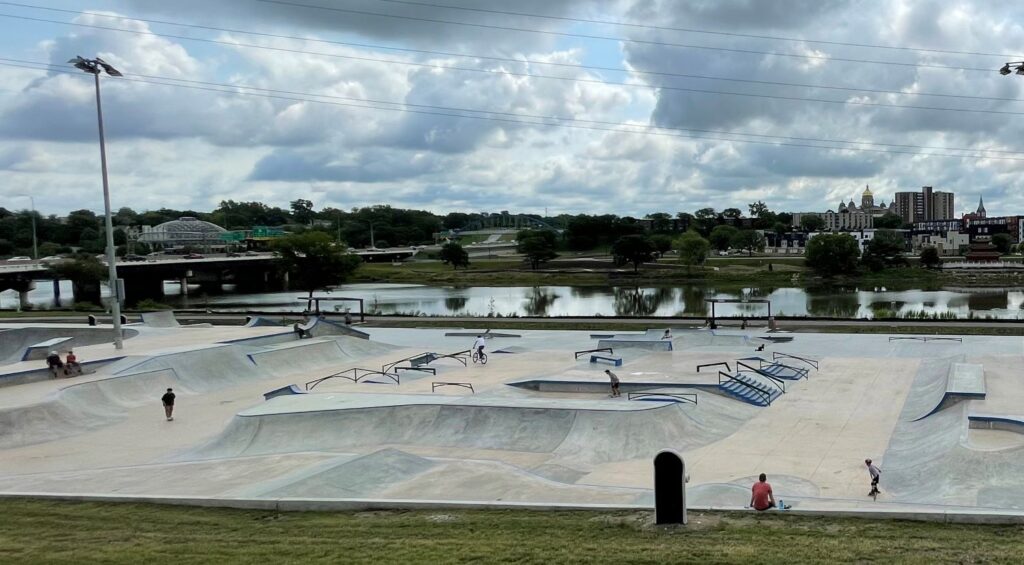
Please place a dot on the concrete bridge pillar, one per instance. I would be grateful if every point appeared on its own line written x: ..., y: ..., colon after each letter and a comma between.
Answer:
x: 184, y: 285
x: 56, y: 293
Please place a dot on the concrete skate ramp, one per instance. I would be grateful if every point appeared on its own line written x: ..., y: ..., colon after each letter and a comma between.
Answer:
x: 84, y: 406
x: 354, y: 478
x: 931, y: 461
x: 299, y: 356
x: 14, y: 342
x: 941, y: 383
x: 260, y: 322
x: 578, y: 430
x: 162, y: 319
x: 323, y: 328
x: 637, y: 342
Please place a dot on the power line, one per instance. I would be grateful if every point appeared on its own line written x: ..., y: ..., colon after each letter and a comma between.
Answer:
x: 406, y: 109
x: 509, y: 59
x: 540, y: 117
x: 528, y: 75
x: 621, y: 39
x: 693, y: 30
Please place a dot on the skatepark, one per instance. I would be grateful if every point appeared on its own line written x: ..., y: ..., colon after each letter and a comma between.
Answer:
x: 321, y: 413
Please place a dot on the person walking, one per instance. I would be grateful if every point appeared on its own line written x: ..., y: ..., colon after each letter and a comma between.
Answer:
x: 876, y: 474
x: 168, y: 400
x: 615, y: 382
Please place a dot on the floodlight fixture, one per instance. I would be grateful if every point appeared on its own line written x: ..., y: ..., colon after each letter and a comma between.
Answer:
x: 1012, y: 66
x: 1005, y: 70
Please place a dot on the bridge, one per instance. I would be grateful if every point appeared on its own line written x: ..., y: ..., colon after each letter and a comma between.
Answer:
x: 144, y: 279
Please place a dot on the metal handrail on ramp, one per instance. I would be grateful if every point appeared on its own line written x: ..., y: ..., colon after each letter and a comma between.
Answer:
x: 760, y: 392
x: 777, y: 381
x: 585, y: 351
x: 726, y: 363
x: 811, y: 362
x: 680, y: 396
x: 354, y: 374
x: 926, y: 338
x: 436, y: 385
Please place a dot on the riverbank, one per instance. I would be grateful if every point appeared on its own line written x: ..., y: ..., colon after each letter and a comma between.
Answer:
x: 66, y: 532
x: 734, y: 271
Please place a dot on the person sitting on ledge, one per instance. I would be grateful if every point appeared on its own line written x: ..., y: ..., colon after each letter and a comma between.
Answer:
x: 761, y: 496
x: 54, y: 363
x: 668, y: 334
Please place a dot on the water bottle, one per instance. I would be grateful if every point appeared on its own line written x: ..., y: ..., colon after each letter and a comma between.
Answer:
x: 782, y: 505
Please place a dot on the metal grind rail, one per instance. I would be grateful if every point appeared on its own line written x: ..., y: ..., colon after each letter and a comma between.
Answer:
x: 355, y: 375
x: 925, y: 338
x: 777, y: 381
x: 600, y: 349
x: 811, y: 362
x: 690, y: 397
x: 726, y: 363
x: 436, y: 385
x: 756, y: 390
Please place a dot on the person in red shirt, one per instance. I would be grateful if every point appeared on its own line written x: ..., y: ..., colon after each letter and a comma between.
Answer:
x: 761, y: 497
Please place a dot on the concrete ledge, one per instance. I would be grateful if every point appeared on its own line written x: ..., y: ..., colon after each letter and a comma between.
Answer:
x: 996, y: 422
x: 958, y: 516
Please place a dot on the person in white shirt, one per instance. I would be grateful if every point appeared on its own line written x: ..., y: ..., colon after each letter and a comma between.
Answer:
x: 479, y: 344
x: 614, y: 381
x: 876, y: 474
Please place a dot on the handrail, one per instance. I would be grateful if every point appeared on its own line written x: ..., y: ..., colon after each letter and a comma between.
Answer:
x: 585, y: 351
x: 811, y: 362
x: 767, y: 397
x: 683, y: 396
x: 926, y: 338
x: 354, y: 377
x: 459, y: 356
x: 430, y: 370
x: 387, y: 366
x: 726, y: 363
x: 435, y: 385
x: 777, y: 381
x: 800, y: 371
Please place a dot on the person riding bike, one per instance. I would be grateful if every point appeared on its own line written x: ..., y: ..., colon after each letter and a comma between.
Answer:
x: 478, y: 345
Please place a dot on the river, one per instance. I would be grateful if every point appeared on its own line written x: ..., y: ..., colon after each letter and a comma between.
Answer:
x: 688, y: 300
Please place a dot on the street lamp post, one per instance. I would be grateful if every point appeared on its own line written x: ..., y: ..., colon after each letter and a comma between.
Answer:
x: 94, y: 67
x: 35, y: 241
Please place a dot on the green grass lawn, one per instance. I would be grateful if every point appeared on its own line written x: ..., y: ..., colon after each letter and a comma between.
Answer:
x: 63, y: 532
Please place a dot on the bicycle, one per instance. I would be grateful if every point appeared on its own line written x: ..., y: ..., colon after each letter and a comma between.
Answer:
x: 479, y: 357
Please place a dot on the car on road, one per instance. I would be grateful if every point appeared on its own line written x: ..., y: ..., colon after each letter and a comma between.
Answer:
x: 194, y: 256
x: 131, y: 257
x: 232, y: 254
x: 20, y: 258
x: 251, y: 254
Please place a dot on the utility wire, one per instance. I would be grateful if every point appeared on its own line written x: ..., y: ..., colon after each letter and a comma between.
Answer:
x: 693, y: 30
x: 538, y: 117
x: 622, y: 39
x: 528, y: 75
x: 509, y: 59
x: 406, y: 109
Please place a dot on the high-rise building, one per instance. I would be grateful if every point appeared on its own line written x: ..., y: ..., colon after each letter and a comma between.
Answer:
x: 924, y: 206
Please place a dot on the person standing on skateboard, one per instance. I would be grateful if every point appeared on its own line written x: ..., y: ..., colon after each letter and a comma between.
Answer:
x: 615, y: 382
x: 876, y: 474
x: 168, y: 400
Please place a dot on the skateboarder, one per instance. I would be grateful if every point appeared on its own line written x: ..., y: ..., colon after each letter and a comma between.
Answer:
x: 615, y: 382
x: 876, y: 474
x: 168, y: 400
x: 668, y: 334
x: 54, y: 363
x: 761, y: 496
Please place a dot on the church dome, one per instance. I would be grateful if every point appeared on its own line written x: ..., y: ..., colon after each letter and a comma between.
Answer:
x: 867, y: 191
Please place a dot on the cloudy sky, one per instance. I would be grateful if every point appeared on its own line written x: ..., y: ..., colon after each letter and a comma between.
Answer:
x: 799, y: 103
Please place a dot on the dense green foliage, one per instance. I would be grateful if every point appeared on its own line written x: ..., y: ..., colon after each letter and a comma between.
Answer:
x: 693, y: 249
x: 884, y: 251
x: 930, y: 257
x: 453, y: 254
x: 315, y: 260
x: 1002, y: 242
x: 832, y: 254
x: 538, y: 246
x: 635, y: 249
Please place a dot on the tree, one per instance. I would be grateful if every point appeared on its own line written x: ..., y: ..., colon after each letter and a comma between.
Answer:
x: 734, y: 213
x: 889, y: 221
x: 811, y: 223
x: 832, y: 254
x: 885, y: 250
x: 85, y: 273
x: 661, y: 222
x: 693, y: 249
x: 721, y: 237
x: 453, y: 254
x: 1002, y: 242
x: 930, y: 258
x: 315, y: 259
x: 635, y: 249
x: 302, y: 211
x: 537, y: 245
x: 749, y: 240
x: 758, y: 209
x: 662, y: 243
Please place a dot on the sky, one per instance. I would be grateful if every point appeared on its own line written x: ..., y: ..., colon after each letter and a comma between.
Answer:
x: 538, y: 106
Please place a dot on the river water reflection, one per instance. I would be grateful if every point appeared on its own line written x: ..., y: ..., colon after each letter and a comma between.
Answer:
x: 610, y: 301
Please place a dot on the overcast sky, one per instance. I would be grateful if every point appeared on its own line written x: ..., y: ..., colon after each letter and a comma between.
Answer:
x: 633, y: 135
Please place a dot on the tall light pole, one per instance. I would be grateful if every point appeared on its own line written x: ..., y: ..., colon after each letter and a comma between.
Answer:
x: 35, y: 241
x: 94, y: 67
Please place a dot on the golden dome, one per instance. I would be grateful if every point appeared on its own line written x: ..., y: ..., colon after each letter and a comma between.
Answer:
x: 867, y: 191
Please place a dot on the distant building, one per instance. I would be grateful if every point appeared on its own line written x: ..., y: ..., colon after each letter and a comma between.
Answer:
x: 183, y: 232
x: 923, y: 206
x: 789, y: 243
